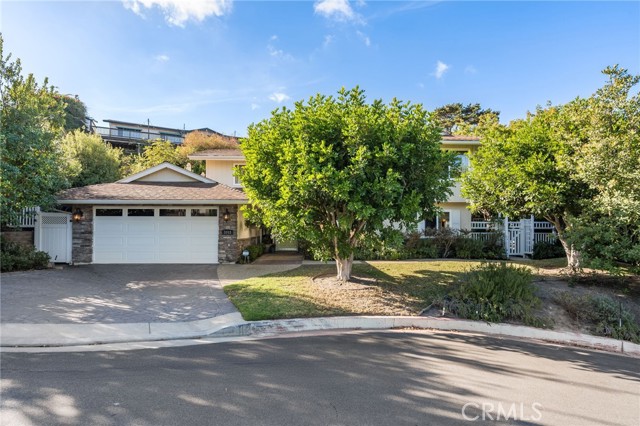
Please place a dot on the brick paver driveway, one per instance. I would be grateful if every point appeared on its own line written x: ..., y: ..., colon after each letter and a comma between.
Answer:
x: 113, y: 294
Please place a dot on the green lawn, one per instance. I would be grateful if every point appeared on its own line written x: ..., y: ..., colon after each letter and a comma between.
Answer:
x: 379, y: 288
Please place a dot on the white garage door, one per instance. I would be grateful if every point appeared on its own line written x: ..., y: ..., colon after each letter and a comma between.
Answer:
x: 140, y: 234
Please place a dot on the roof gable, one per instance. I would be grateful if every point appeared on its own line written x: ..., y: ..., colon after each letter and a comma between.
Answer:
x: 165, y: 172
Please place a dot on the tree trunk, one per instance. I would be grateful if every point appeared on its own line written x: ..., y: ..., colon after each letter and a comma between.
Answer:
x: 344, y: 268
x: 573, y: 256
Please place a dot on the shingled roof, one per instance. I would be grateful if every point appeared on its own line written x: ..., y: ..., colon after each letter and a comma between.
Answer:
x: 163, y: 184
x: 158, y: 192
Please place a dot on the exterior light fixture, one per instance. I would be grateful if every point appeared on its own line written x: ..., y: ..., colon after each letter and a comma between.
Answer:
x: 77, y: 215
x: 226, y: 216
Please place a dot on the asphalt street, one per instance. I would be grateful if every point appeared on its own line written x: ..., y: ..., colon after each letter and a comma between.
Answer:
x: 358, y: 378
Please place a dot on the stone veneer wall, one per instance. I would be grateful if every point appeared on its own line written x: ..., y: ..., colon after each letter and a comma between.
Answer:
x: 228, y: 247
x: 82, y: 236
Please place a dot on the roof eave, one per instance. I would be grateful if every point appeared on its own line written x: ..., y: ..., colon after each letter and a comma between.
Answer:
x: 151, y: 202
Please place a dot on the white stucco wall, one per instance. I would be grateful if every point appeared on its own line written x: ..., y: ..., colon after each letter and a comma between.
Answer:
x: 222, y: 171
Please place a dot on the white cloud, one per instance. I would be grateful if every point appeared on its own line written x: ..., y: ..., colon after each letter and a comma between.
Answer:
x: 162, y: 58
x: 279, y: 97
x: 365, y: 38
x: 328, y: 39
x: 178, y: 12
x: 470, y: 69
x: 339, y: 10
x: 275, y: 52
x: 441, y: 68
x: 254, y: 106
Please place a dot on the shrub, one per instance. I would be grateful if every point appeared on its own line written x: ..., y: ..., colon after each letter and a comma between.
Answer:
x: 468, y: 248
x: 255, y: 251
x: 495, y: 292
x: 493, y: 245
x: 544, y: 250
x: 605, y: 316
x: 18, y: 257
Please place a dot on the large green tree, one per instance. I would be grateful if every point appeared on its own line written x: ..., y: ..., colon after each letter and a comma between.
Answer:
x: 604, y: 130
x: 463, y: 119
x: 75, y: 113
x: 89, y: 160
x: 337, y: 171
x: 576, y: 165
x: 32, y: 119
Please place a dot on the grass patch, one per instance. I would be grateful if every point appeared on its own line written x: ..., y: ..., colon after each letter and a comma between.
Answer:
x: 378, y: 288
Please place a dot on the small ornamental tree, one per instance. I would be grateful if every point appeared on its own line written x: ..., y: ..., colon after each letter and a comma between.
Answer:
x: 337, y: 171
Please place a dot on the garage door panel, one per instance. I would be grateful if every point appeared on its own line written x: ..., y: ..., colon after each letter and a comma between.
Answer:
x: 110, y: 227
x: 138, y: 226
x: 180, y: 225
x: 155, y: 239
x: 137, y: 256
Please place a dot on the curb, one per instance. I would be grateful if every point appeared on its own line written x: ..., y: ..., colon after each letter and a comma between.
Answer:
x: 232, y: 325
x: 277, y: 327
x: 38, y: 335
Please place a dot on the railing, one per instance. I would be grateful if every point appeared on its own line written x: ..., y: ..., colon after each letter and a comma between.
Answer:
x: 27, y: 218
x: 136, y: 134
x: 540, y: 237
x: 543, y: 225
x: 482, y: 236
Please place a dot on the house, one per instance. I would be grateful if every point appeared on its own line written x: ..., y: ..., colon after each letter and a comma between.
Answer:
x: 164, y: 214
x: 167, y: 214
x: 132, y: 136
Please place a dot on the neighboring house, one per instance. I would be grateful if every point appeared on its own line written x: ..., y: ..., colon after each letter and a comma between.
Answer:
x: 132, y: 136
x: 164, y: 214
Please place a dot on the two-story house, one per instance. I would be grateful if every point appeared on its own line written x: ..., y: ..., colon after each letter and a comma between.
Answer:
x: 167, y: 214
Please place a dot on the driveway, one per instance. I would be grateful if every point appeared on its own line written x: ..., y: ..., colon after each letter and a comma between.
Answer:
x: 113, y: 294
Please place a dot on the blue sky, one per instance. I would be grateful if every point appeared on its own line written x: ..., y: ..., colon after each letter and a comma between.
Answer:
x: 224, y: 64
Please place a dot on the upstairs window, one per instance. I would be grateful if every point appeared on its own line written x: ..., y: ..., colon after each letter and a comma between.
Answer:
x: 238, y: 169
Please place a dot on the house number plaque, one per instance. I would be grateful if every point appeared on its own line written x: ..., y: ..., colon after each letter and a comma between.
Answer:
x: 227, y: 232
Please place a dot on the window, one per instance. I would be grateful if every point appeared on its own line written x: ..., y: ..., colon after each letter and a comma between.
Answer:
x: 140, y: 212
x: 108, y: 212
x: 204, y: 212
x: 444, y: 220
x: 462, y: 164
x: 238, y: 169
x: 173, y: 212
x: 126, y: 132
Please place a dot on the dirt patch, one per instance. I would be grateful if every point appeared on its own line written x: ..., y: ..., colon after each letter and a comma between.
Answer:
x: 362, y: 295
x: 551, y: 283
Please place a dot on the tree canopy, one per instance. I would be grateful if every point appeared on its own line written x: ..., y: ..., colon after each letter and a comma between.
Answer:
x: 32, y: 119
x: 576, y: 165
x: 336, y: 171
x: 89, y: 160
x: 75, y: 112
x: 463, y: 119
x: 156, y: 153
